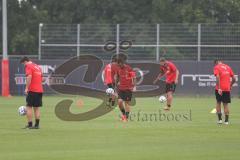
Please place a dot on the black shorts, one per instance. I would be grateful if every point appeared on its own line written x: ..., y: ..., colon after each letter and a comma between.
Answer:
x: 170, y: 87
x: 224, y: 98
x: 34, y: 99
x: 111, y: 85
x: 125, y: 95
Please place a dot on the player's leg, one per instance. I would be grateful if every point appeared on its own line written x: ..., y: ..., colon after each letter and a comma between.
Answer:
x: 29, y: 101
x: 113, y: 96
x: 127, y: 108
x: 127, y: 100
x: 226, y: 112
x: 124, y: 96
x: 226, y: 100
x: 169, y: 99
x: 29, y: 116
x: 36, y: 107
x: 109, y: 96
x: 218, y: 106
x: 170, y: 89
x: 121, y: 106
x: 111, y: 99
x: 120, y: 102
x: 219, y: 112
x: 122, y: 109
x: 37, y: 116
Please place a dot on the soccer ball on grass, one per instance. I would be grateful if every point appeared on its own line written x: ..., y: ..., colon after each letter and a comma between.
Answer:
x: 22, y: 110
x: 110, y: 91
x: 162, y: 99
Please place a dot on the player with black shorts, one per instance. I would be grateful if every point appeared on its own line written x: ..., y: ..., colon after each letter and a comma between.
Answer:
x: 110, y: 72
x: 225, y: 80
x: 126, y: 79
x: 171, y: 72
x: 33, y: 90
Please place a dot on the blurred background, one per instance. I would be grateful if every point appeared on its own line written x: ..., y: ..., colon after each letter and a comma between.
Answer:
x: 190, y: 33
x: 186, y: 28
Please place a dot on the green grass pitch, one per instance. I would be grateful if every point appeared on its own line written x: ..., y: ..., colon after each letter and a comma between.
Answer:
x: 109, y: 139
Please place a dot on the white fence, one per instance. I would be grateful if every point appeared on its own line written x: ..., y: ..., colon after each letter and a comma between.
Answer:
x: 149, y: 41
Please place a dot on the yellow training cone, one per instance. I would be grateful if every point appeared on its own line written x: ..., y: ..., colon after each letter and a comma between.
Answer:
x: 214, y: 111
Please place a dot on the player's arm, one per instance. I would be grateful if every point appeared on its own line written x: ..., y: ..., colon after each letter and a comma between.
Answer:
x: 216, y: 73
x: 218, y: 83
x: 233, y: 78
x: 161, y: 74
x: 233, y: 81
x: 134, y: 83
x: 28, y: 78
x: 134, y: 80
x: 177, y: 75
x: 28, y: 82
x: 104, y: 74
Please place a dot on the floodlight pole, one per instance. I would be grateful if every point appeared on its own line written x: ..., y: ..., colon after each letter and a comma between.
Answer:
x: 117, y: 40
x: 199, y: 43
x: 157, y: 45
x: 5, y: 63
x: 4, y: 29
x: 40, y: 41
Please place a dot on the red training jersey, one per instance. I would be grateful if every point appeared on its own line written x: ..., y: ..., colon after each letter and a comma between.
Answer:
x: 126, y: 76
x: 225, y: 74
x: 36, y: 83
x: 110, y: 71
x: 170, y: 70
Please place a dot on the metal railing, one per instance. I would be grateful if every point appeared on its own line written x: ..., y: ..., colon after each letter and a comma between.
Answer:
x: 149, y: 41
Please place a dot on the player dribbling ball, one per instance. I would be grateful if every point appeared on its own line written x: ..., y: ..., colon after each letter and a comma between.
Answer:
x: 33, y: 91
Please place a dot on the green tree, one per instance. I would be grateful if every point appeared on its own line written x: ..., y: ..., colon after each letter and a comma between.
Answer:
x: 24, y: 19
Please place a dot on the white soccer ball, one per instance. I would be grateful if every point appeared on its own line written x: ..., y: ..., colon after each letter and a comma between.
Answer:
x: 110, y: 91
x: 162, y: 99
x: 22, y: 110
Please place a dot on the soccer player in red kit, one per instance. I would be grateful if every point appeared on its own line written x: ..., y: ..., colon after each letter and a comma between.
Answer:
x: 171, y: 72
x: 33, y: 90
x: 126, y: 81
x: 225, y: 80
x: 110, y: 72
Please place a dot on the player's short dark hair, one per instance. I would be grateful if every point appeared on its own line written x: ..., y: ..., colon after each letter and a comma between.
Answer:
x: 120, y: 61
x: 121, y: 58
x: 24, y: 59
x: 114, y: 58
x: 162, y: 59
x: 216, y: 61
